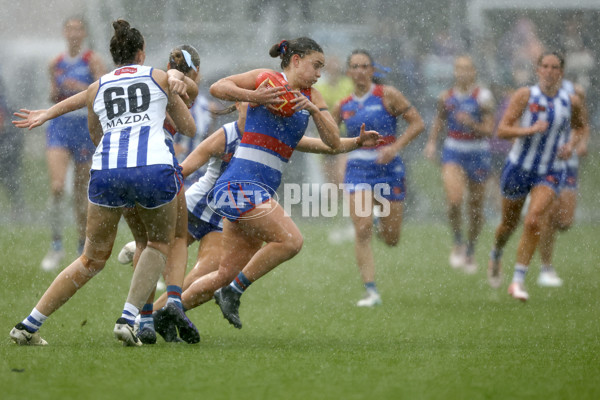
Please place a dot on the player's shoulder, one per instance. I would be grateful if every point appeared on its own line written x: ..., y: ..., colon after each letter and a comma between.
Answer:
x: 56, y: 60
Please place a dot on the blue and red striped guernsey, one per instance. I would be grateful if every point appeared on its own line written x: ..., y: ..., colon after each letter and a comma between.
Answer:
x: 266, y: 146
x: 467, y: 103
x: 269, y: 143
x: 370, y: 110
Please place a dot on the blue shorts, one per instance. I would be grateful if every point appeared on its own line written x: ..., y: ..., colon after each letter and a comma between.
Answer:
x: 476, y: 164
x: 363, y: 174
x: 569, y: 177
x: 198, y: 228
x: 234, y: 199
x: 150, y: 187
x: 71, y: 133
x: 516, y: 183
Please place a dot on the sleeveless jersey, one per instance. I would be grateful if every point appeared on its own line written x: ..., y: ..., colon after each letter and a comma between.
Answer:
x: 536, y: 153
x: 131, y: 107
x: 197, y: 195
x: 458, y: 137
x: 72, y: 68
x: 368, y: 109
x: 267, y: 145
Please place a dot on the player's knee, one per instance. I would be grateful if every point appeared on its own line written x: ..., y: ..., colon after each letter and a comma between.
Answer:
x: 92, y: 266
x: 564, y: 225
x: 454, y: 204
x: 533, y: 223
x: 293, y: 244
x: 57, y: 188
x: 391, y: 240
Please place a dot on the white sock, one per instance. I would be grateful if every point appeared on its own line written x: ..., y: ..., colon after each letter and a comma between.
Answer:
x: 34, y: 321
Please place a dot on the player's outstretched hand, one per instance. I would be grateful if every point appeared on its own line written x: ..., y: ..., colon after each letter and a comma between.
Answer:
x: 29, y: 118
x: 368, y: 138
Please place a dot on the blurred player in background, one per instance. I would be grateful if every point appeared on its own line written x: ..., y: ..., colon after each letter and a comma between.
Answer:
x: 378, y: 107
x: 466, y: 111
x: 539, y: 118
x: 68, y: 137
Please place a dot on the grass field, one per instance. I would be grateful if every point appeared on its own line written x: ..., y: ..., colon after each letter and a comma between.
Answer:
x: 439, y: 334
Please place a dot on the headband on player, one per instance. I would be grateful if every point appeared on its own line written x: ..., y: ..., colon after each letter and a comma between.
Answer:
x: 188, y: 60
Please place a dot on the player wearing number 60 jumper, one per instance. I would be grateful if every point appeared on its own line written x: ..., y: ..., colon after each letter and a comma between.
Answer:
x: 132, y: 167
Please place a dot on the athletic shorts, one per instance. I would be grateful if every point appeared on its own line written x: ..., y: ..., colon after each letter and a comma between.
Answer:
x: 516, y: 183
x: 388, y: 179
x: 476, y: 164
x: 150, y: 187
x: 233, y: 200
x: 569, y: 177
x: 199, y: 228
x: 71, y: 133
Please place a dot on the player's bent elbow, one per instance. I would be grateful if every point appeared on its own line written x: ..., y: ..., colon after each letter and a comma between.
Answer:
x: 188, y: 129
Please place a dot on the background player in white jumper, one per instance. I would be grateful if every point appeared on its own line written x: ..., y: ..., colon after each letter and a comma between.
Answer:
x: 538, y: 117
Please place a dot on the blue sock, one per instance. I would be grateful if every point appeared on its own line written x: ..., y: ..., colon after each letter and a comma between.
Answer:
x: 174, y: 295
x: 240, y: 283
x: 146, y: 320
x: 496, y: 254
x: 129, y: 313
x: 34, y: 321
x: 470, y: 248
x: 57, y: 244
x: 371, y: 287
x: 458, y: 238
x: 520, y: 272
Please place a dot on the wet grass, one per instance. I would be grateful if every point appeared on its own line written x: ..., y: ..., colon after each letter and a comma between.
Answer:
x: 439, y: 334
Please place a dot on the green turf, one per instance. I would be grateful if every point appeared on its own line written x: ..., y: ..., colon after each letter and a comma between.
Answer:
x: 439, y: 334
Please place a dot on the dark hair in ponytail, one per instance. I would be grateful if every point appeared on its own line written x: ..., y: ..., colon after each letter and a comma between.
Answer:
x: 125, y: 43
x: 287, y: 48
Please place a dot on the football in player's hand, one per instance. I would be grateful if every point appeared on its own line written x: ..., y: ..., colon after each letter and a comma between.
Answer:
x: 276, y: 80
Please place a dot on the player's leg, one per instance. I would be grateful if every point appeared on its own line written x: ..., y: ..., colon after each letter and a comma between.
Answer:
x: 232, y: 261
x: 476, y: 195
x: 391, y: 225
x: 454, y: 179
x: 58, y: 162
x: 101, y: 232
x: 77, y: 140
x: 361, y: 206
x: 283, y: 241
x: 209, y: 254
x: 540, y: 202
x: 560, y: 218
x: 81, y: 176
x: 511, y: 214
x: 178, y: 255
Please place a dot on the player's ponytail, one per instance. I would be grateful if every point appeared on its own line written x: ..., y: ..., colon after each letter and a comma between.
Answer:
x: 125, y: 43
x: 287, y: 48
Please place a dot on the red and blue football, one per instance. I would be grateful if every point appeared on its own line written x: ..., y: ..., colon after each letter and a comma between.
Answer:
x: 275, y: 79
